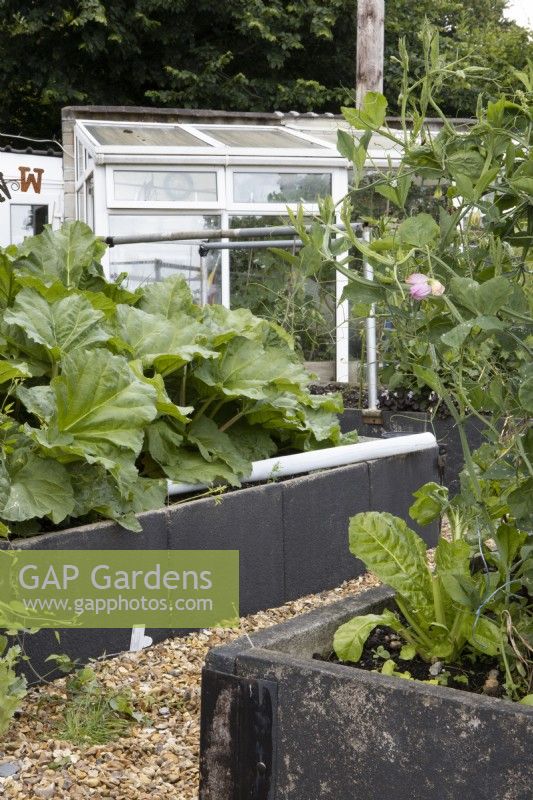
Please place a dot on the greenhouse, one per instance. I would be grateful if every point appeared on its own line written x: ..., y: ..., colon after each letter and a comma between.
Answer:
x: 158, y: 172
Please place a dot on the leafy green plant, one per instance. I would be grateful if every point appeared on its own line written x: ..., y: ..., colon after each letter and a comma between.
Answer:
x: 278, y: 285
x: 12, y: 686
x: 455, y: 287
x: 460, y: 610
x: 115, y: 391
x: 94, y: 715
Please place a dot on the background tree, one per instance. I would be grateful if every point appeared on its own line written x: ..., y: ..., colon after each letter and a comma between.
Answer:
x: 249, y: 55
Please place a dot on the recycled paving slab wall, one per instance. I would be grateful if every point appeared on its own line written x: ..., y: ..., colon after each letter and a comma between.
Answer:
x: 292, y: 536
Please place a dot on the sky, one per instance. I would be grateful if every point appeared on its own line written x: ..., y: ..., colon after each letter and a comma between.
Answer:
x: 521, y: 11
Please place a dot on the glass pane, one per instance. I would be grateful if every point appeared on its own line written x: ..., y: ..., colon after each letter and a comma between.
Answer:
x: 280, y: 187
x: 80, y: 162
x: 171, y: 185
x: 303, y: 305
x: 144, y: 136
x: 27, y: 220
x: 80, y: 195
x: 153, y: 261
x: 90, y: 202
x: 250, y: 137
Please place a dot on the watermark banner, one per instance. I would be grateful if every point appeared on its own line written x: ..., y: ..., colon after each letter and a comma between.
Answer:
x: 118, y: 588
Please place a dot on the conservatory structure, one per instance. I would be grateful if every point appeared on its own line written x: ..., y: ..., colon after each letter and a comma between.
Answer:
x: 136, y: 171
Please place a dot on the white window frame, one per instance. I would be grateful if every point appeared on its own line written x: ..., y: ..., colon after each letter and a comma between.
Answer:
x: 276, y: 208
x: 143, y: 205
x: 44, y: 200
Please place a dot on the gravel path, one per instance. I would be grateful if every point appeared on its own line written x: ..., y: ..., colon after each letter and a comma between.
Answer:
x: 157, y: 760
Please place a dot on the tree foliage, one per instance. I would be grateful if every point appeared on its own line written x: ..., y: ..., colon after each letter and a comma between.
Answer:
x: 248, y: 55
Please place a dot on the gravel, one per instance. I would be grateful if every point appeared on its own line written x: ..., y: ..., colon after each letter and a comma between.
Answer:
x: 156, y: 760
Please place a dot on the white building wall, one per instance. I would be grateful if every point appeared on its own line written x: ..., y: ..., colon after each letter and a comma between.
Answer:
x: 28, y: 183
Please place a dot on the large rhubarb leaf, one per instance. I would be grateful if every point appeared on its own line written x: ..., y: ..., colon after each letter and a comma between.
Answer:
x: 170, y: 298
x: 63, y: 254
x: 246, y: 368
x: 95, y: 491
x: 159, y: 342
x: 394, y: 553
x: 12, y: 370
x: 62, y: 327
x: 188, y: 466
x: 37, y: 487
x: 163, y: 441
x: 214, y: 445
x: 222, y: 324
x: 253, y: 442
x: 99, y: 403
x: 164, y: 404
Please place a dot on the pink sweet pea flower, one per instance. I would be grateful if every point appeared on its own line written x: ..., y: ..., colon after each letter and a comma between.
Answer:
x: 422, y: 286
x: 415, y: 278
x: 420, y: 290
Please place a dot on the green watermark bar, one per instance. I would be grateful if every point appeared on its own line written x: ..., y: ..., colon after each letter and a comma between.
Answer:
x: 118, y: 588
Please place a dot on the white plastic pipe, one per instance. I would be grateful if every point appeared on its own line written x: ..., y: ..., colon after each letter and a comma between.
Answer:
x: 371, y: 348
x: 272, y: 468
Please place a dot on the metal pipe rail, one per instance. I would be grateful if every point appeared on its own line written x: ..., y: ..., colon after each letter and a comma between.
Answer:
x: 216, y: 233
x: 205, y: 247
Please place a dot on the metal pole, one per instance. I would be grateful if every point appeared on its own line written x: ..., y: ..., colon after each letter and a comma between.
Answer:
x: 219, y: 233
x: 203, y: 281
x: 370, y: 48
x: 204, y: 247
x: 371, y: 349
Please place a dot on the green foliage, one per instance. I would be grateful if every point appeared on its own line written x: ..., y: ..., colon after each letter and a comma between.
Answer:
x: 107, y: 393
x: 12, y: 686
x: 93, y: 715
x: 454, y: 612
x: 278, y: 285
x: 250, y: 56
x: 455, y: 289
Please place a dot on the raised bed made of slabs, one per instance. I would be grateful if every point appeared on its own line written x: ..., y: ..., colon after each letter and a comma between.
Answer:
x: 280, y: 725
x: 292, y: 536
x: 451, y: 460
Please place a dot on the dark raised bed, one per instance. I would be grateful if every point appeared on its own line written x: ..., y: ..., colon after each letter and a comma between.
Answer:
x: 278, y: 725
x: 291, y: 535
x: 445, y: 430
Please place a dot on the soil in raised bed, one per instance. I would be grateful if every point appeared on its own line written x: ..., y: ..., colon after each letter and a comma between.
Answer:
x: 397, y: 400
x: 482, y: 675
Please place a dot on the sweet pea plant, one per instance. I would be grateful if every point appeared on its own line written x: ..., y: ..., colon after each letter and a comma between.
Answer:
x: 456, y: 287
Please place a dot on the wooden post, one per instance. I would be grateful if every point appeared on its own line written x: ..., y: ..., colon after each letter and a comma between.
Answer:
x: 370, y: 47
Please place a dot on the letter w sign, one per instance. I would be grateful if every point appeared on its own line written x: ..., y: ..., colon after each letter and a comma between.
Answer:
x: 29, y: 177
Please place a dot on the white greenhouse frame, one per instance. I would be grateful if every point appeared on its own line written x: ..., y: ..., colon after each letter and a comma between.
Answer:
x: 96, y: 163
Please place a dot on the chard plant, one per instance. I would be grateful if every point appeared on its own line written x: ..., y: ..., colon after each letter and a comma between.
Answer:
x: 455, y: 288
x: 107, y: 393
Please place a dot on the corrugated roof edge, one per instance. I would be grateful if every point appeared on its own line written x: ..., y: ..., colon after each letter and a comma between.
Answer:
x: 202, y: 115
x: 31, y: 151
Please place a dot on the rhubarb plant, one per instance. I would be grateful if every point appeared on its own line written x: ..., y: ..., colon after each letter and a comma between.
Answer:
x: 107, y: 393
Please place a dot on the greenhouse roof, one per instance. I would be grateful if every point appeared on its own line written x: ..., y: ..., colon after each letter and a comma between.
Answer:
x: 112, y: 131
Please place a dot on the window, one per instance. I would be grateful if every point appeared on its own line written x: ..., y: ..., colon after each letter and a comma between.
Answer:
x: 144, y: 136
x: 236, y: 136
x: 170, y: 185
x: 153, y: 261
x: 280, y: 187
x: 80, y: 203
x: 27, y: 220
